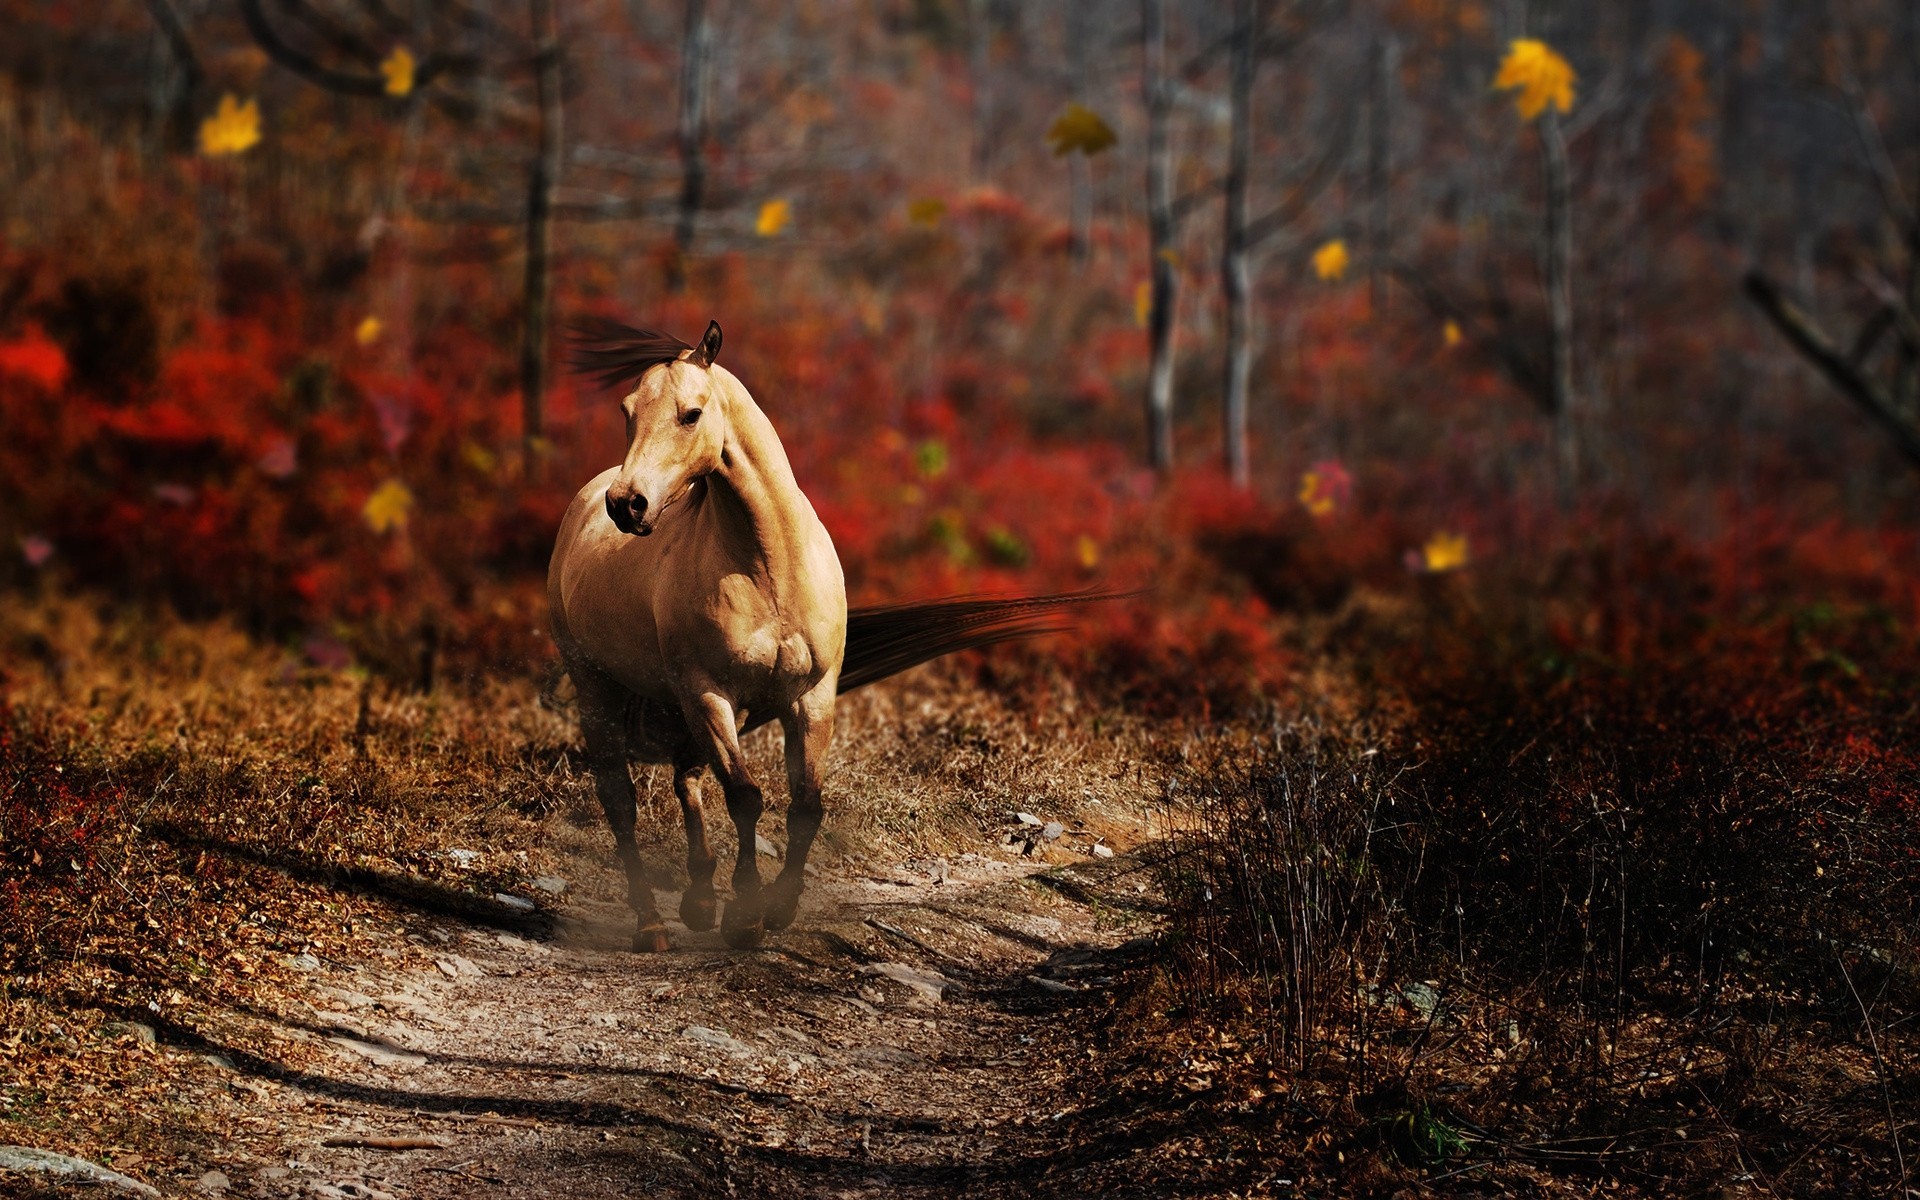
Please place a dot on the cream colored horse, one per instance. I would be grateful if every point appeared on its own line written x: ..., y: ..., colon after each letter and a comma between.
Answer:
x: 695, y: 595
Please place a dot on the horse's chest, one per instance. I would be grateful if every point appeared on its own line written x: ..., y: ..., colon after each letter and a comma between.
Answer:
x: 753, y: 635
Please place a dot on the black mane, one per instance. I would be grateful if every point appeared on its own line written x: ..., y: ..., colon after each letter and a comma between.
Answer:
x: 613, y: 354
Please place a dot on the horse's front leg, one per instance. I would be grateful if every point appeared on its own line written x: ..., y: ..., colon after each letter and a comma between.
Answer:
x: 603, y: 721
x: 697, y: 903
x: 809, y: 733
x: 710, y: 716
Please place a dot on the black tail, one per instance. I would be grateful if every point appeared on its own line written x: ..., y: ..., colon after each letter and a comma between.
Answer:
x: 888, y: 638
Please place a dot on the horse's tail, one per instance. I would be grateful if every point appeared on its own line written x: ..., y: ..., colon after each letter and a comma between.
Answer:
x: 886, y: 639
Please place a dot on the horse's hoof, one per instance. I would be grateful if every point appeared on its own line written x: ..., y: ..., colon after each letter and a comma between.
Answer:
x: 651, y: 940
x: 742, y: 934
x: 782, y: 908
x: 697, y: 912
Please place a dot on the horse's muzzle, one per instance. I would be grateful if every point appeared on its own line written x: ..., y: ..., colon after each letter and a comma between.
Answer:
x: 629, y: 515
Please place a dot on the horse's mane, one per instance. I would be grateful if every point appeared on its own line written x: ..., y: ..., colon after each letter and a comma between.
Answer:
x: 615, y: 355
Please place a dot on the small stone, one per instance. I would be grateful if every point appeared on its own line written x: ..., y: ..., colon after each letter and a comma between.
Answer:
x: 220, y: 1061
x: 385, y: 1056
x: 464, y: 859
x: 213, y: 1183
x: 717, y: 1039
x: 29, y: 1161
x: 1102, y: 850
x: 1027, y: 818
x: 304, y: 962
x: 274, y: 1173
x: 552, y: 885
x: 142, y: 1034
x: 765, y: 847
x: 930, y: 984
x: 516, y: 903
x: 940, y: 870
x: 1053, y: 830
x: 447, y: 968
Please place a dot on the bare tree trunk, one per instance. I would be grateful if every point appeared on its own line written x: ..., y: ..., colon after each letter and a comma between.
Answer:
x: 979, y: 29
x: 1560, y: 397
x: 1079, y: 166
x: 696, y: 50
x: 540, y: 184
x: 1159, y: 236
x: 1379, y: 166
x: 1235, y: 282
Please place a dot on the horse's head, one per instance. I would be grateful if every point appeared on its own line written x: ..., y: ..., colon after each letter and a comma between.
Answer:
x: 676, y: 430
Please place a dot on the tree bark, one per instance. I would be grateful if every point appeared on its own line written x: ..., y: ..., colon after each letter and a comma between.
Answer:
x: 1559, y: 255
x: 1235, y: 283
x: 1159, y: 236
x: 695, y: 51
x: 1379, y: 166
x: 541, y: 181
x: 1079, y: 166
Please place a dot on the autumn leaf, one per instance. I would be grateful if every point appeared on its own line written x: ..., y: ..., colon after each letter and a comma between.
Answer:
x: 1330, y: 260
x: 1324, y: 487
x: 1142, y: 303
x: 232, y: 129
x: 927, y: 211
x: 1079, y: 128
x: 1541, y: 76
x: 775, y: 215
x: 1443, y: 552
x: 398, y: 68
x: 388, y: 508
x: 368, y: 331
x: 1087, y: 552
x: 1450, y: 333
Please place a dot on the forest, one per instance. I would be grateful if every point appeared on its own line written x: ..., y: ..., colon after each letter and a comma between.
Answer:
x: 1497, y: 421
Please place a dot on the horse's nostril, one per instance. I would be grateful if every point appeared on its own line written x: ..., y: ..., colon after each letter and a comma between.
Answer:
x: 638, y: 505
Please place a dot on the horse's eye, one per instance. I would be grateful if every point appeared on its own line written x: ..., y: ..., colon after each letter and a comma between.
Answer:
x: 690, y: 416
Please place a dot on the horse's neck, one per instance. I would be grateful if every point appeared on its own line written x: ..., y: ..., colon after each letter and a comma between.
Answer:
x: 759, y: 499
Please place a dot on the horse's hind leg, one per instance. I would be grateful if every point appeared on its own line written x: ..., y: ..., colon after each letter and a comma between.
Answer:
x: 710, y: 716
x: 809, y: 732
x: 603, y: 721
x: 697, y: 904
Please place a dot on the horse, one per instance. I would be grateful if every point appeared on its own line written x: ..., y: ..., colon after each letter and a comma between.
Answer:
x: 695, y: 595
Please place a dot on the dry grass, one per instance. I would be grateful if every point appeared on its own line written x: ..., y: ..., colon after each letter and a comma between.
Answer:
x: 188, y: 812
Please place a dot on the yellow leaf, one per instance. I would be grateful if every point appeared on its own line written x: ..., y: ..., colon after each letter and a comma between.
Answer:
x: 1451, y: 333
x: 775, y: 215
x: 1142, y: 303
x: 1330, y: 260
x: 1542, y: 77
x: 481, y: 459
x: 1170, y: 256
x: 232, y: 129
x: 388, y: 508
x: 1088, y: 552
x: 1444, y: 552
x: 1314, y: 494
x: 398, y: 68
x: 927, y: 212
x: 1079, y: 128
x: 368, y: 332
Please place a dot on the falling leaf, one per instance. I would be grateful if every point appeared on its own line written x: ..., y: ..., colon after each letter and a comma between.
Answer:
x: 931, y: 457
x: 1542, y: 77
x: 368, y: 331
x: 1087, y: 551
x: 927, y: 211
x: 1443, y: 552
x: 1325, y: 487
x: 388, y: 508
x: 232, y: 129
x: 1451, y: 333
x: 1079, y: 128
x: 1170, y: 256
x: 1142, y: 303
x: 398, y: 68
x: 775, y: 215
x: 1330, y: 260
x: 481, y: 459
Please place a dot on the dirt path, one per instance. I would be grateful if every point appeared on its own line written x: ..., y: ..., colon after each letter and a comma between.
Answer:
x: 916, y: 1033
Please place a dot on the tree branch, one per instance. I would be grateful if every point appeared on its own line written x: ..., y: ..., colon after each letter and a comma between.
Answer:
x: 1814, y: 345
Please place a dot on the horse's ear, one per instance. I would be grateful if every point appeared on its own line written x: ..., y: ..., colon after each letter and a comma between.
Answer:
x: 709, y: 347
